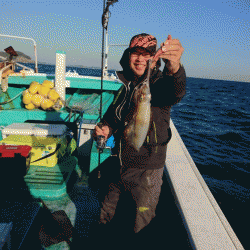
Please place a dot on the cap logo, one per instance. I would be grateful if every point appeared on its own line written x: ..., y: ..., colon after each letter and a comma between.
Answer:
x: 143, y: 42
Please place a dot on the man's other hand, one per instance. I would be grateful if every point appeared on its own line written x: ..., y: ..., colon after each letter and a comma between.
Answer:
x: 104, y: 130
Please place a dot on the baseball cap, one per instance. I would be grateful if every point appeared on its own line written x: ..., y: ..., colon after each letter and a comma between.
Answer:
x: 145, y: 41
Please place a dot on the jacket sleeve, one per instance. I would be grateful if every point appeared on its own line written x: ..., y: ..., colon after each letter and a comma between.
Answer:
x: 169, y: 89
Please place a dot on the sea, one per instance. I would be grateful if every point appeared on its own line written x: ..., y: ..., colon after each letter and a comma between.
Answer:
x: 213, y: 120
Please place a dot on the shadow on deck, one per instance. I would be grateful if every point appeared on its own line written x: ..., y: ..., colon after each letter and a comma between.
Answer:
x: 166, y: 229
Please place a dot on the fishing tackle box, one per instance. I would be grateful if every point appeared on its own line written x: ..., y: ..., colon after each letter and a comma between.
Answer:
x: 14, y: 160
x: 45, y: 139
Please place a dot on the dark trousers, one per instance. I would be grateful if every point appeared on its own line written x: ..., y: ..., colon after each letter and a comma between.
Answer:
x: 144, y: 186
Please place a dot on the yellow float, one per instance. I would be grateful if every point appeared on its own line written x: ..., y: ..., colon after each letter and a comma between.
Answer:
x: 33, y: 89
x: 43, y: 91
x: 46, y: 104
x: 30, y: 106
x: 34, y: 83
x: 27, y: 98
x: 37, y: 100
x: 53, y: 95
x: 48, y: 84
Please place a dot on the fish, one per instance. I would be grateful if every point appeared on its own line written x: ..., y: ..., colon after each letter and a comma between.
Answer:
x: 137, y: 128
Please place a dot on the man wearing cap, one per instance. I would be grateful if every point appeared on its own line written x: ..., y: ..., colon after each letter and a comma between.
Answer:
x: 141, y: 172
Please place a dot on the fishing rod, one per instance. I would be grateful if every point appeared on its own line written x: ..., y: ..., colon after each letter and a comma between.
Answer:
x: 105, y: 18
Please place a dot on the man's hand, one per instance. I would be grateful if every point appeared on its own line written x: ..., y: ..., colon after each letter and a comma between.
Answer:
x: 171, y: 54
x: 104, y: 130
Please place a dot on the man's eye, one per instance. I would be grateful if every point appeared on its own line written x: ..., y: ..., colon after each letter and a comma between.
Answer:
x: 145, y: 55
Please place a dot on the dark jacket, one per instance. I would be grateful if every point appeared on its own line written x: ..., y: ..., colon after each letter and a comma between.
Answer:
x: 166, y: 90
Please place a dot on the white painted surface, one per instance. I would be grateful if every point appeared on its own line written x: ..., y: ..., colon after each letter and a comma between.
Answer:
x: 206, y: 223
x: 60, y: 82
x: 85, y: 130
x: 36, y: 129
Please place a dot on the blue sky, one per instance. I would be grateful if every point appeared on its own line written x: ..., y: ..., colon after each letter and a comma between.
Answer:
x: 215, y: 34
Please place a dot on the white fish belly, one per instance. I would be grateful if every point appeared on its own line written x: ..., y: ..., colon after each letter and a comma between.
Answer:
x: 138, y: 128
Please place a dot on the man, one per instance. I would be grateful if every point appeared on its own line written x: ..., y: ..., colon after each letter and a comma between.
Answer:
x: 141, y: 172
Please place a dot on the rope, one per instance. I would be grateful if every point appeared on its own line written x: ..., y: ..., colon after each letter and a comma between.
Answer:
x: 2, y: 103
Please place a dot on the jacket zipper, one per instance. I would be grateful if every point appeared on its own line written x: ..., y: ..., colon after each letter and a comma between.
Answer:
x: 134, y: 92
x: 120, y: 153
x: 123, y: 102
x: 155, y: 137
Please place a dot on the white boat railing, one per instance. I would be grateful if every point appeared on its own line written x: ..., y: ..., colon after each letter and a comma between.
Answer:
x: 107, y: 46
x: 24, y: 67
x: 19, y: 37
x: 204, y: 220
x: 4, y: 83
x: 3, y: 58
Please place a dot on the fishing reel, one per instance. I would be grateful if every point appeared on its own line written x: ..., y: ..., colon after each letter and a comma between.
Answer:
x: 101, y: 143
x: 100, y: 140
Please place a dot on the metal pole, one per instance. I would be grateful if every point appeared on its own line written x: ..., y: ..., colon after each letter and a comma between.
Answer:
x: 107, y: 50
x: 105, y: 17
x: 103, y: 30
x: 36, y: 68
x: 105, y: 73
x: 99, y: 155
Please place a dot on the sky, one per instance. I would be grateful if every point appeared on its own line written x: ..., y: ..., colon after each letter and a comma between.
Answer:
x: 215, y: 34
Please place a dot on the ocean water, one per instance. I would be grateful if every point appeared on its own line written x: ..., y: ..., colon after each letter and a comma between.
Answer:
x: 213, y: 120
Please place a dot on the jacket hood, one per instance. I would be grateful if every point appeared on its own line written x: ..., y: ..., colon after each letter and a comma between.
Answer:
x: 145, y: 41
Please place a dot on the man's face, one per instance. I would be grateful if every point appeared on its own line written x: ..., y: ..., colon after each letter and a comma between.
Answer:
x: 138, y: 61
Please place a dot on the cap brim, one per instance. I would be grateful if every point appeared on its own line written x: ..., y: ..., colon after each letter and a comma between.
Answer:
x: 137, y: 47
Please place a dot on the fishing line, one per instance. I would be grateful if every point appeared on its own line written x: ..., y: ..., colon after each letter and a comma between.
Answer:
x: 2, y: 103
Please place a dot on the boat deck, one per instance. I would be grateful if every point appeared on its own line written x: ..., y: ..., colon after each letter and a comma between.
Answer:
x: 83, y: 208
x: 166, y: 229
x: 180, y: 223
x: 177, y: 221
